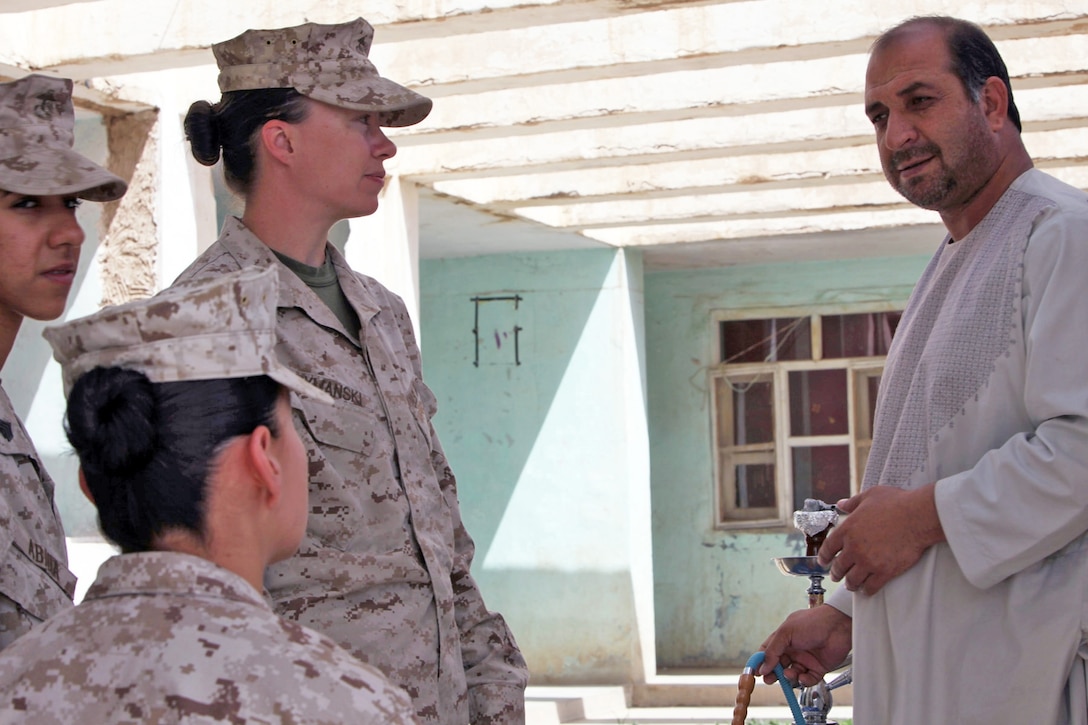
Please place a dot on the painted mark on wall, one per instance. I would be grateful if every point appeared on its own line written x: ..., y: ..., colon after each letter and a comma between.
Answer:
x: 495, y: 317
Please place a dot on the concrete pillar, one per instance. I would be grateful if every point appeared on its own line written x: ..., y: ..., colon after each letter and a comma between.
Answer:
x: 631, y: 334
x: 187, y: 211
x: 127, y: 255
x: 385, y: 245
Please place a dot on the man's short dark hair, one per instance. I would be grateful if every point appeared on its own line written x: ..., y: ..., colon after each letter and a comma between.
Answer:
x: 974, y: 56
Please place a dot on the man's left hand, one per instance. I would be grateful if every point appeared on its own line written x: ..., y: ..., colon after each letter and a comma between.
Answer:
x: 886, y: 533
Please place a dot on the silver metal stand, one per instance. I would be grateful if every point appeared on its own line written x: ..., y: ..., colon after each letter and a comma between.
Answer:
x: 815, y: 701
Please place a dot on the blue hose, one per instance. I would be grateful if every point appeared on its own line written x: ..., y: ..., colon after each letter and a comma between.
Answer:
x: 753, y: 666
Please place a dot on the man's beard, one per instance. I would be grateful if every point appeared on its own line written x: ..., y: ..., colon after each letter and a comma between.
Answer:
x: 965, y: 172
x: 928, y: 190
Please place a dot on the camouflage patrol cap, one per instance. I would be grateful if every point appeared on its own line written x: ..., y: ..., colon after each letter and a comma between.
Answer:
x: 36, y: 155
x: 328, y: 63
x: 225, y: 328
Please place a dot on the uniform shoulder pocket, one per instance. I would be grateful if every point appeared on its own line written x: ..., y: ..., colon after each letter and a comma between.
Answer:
x: 28, y: 584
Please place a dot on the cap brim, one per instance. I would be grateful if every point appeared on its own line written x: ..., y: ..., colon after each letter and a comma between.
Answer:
x: 292, y: 380
x: 49, y: 171
x: 394, y: 104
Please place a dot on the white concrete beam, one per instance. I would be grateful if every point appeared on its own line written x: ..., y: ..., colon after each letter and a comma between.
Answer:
x: 634, y: 145
x: 916, y: 239
x: 484, y: 43
x: 708, y: 92
x: 803, y: 213
x: 20, y: 6
x: 654, y: 98
x: 758, y: 203
x: 683, y: 37
x: 669, y: 179
x: 803, y: 200
x: 182, y: 28
x: 725, y: 230
x: 787, y: 132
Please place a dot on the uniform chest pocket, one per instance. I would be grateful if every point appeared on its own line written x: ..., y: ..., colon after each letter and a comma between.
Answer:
x: 368, y: 428
x: 360, y: 430
x: 356, y: 502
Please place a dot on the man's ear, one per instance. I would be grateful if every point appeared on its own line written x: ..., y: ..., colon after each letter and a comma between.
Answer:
x: 276, y: 139
x: 994, y: 97
x: 263, y: 464
x: 84, y: 487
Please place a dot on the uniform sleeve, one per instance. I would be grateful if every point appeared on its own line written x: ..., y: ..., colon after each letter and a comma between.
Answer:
x: 35, y: 582
x: 494, y: 667
x: 14, y: 620
x: 1028, y: 498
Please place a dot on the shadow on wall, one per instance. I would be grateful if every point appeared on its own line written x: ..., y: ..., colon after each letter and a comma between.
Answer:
x: 593, y: 646
x: 496, y: 386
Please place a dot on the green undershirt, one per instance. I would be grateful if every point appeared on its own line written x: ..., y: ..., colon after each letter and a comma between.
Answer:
x: 325, y: 284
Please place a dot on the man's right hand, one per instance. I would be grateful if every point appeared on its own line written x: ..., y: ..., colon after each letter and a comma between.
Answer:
x: 808, y: 645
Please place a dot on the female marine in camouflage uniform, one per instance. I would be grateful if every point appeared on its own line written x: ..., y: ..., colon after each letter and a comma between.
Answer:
x: 41, y: 182
x: 183, y: 430
x: 384, y: 567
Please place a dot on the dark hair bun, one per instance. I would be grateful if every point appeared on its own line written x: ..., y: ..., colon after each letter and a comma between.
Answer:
x: 202, y: 130
x: 111, y: 421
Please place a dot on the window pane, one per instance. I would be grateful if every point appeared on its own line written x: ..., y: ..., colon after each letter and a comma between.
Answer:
x: 753, y: 413
x: 821, y: 472
x: 755, y: 486
x: 784, y: 338
x: 818, y: 402
x: 863, y: 335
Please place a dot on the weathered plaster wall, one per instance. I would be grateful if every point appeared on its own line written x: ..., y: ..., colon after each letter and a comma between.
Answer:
x: 129, y: 250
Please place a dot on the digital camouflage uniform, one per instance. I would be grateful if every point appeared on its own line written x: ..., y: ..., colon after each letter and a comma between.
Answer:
x: 34, y: 579
x: 384, y: 566
x: 163, y: 637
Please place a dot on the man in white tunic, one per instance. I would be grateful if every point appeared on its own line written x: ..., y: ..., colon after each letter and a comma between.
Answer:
x: 965, y: 556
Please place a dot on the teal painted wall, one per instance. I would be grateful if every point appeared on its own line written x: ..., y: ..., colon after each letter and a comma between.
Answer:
x: 717, y: 594
x: 551, y: 455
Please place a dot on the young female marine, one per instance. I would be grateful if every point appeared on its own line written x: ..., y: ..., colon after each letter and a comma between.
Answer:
x: 178, y: 411
x: 42, y: 180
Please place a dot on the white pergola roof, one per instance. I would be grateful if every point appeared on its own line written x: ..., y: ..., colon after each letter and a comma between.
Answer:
x: 705, y: 132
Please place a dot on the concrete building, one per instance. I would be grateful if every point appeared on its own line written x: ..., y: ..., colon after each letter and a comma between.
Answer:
x: 650, y: 253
